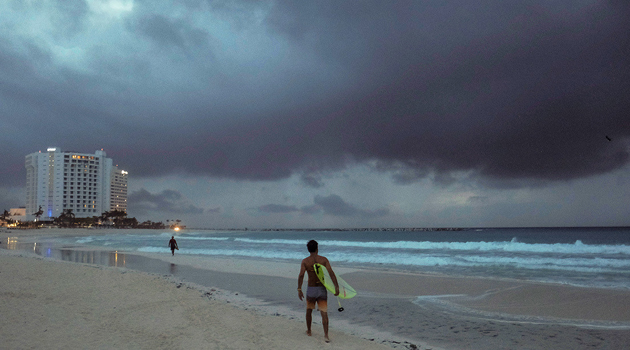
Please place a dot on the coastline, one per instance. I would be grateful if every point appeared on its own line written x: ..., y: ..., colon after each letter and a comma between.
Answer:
x: 68, y: 305
x: 395, y: 307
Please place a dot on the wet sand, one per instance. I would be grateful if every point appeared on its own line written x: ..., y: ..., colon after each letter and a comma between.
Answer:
x: 400, y: 310
x: 49, y: 304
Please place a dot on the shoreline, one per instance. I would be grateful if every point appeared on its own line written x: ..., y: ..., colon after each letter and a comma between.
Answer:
x: 399, y: 307
x: 484, y: 294
x: 69, y: 305
x: 235, y: 297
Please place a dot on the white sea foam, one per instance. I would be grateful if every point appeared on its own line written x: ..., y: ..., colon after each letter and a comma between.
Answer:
x: 421, y: 260
x: 268, y: 254
x: 509, y: 246
x: 577, y: 262
x: 194, y: 238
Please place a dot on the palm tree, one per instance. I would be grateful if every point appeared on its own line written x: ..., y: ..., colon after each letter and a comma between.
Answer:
x: 117, y: 213
x: 38, y: 213
x: 6, y: 216
x: 105, y: 216
x: 66, y: 216
x: 118, y: 216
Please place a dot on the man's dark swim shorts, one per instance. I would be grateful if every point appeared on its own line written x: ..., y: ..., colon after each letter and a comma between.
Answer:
x: 317, y: 295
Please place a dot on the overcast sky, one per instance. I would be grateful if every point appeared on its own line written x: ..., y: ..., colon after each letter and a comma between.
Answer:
x: 329, y: 113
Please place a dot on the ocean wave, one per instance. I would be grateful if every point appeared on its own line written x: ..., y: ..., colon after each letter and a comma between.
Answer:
x: 512, y: 257
x: 513, y: 246
x: 228, y: 252
x: 194, y: 238
x: 576, y: 264
x: 545, y: 263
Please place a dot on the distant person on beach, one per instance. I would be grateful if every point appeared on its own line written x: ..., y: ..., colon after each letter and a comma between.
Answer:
x: 316, y: 293
x: 173, y: 245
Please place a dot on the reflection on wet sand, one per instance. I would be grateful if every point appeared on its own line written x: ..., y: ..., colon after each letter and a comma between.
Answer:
x: 98, y: 257
x: 95, y: 257
x: 12, y: 243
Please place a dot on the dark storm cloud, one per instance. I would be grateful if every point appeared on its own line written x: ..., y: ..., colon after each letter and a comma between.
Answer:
x: 166, y: 32
x: 477, y: 199
x: 161, y: 30
x: 167, y: 201
x: 334, y: 205
x: 520, y: 92
x: 216, y: 210
x: 510, y: 93
x: 277, y: 208
x: 69, y: 19
x: 312, y: 180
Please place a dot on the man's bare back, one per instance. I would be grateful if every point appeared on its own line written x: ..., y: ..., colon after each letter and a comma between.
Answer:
x: 309, y: 266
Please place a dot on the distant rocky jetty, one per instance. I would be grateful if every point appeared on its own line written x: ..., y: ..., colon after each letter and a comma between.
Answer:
x: 358, y: 229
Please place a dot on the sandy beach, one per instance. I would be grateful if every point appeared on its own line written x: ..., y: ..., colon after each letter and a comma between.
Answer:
x: 185, y: 302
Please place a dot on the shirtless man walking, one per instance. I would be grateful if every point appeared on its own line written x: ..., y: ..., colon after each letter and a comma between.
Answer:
x: 316, y: 292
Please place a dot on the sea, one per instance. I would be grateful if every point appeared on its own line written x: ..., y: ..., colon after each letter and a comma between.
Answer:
x: 589, y: 257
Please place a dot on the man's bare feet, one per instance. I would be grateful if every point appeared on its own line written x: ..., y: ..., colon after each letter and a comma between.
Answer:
x: 326, y: 339
x: 308, y: 333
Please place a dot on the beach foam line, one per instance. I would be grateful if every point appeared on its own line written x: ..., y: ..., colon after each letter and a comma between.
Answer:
x: 71, y: 305
x: 507, y: 246
x: 446, y: 302
x: 447, y: 329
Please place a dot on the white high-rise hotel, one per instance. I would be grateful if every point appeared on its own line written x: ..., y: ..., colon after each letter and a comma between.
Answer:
x: 86, y: 183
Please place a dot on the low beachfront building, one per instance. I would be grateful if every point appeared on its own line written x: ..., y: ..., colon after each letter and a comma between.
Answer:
x: 82, y: 182
x: 18, y: 214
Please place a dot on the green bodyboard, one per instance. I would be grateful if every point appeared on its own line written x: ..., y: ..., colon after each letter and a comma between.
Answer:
x: 345, y: 291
